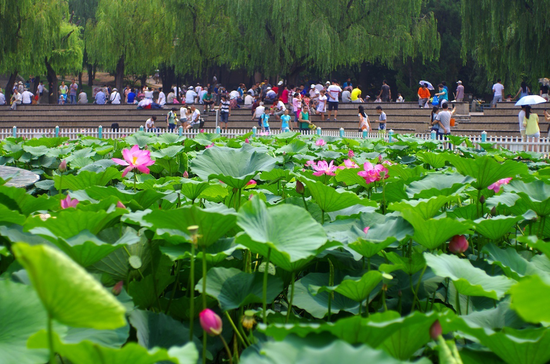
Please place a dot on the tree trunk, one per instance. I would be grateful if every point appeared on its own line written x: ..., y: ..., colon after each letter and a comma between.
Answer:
x: 80, y: 80
x: 143, y: 80
x: 52, y: 83
x: 9, y: 85
x: 90, y: 69
x: 294, y: 74
x: 119, y: 75
x: 35, y: 85
x: 168, y: 77
x: 94, y: 70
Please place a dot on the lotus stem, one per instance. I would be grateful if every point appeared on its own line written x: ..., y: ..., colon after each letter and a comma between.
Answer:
x: 135, y: 180
x: 305, y: 203
x: 227, y: 349
x: 192, y: 292
x: 330, y: 283
x: 264, y: 290
x: 458, y: 309
x: 50, y: 340
x: 235, y: 329
x: 178, y: 268
x: 204, y: 277
x: 292, y: 279
x: 416, y: 290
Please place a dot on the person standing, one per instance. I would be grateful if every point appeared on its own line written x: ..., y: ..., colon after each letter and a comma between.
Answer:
x: 364, y: 124
x: 523, y: 91
x: 162, y: 98
x: 171, y: 120
x: 322, y: 105
x: 258, y: 112
x: 498, y: 91
x: 544, y: 90
x: 40, y: 90
x: 423, y: 95
x: 285, y: 122
x: 459, y: 96
x: 521, y: 116
x: 63, y: 90
x: 382, y: 119
x: 444, y: 117
x: 334, y: 92
x: 225, y: 111
x: 385, y: 92
x: 73, y: 91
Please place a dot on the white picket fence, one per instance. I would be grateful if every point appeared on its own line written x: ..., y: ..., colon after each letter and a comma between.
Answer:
x: 512, y: 143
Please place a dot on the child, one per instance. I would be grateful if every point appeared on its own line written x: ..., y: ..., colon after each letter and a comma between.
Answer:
x: 297, y: 107
x: 285, y: 122
x: 322, y: 105
x: 265, y: 120
x: 381, y: 119
x: 400, y: 98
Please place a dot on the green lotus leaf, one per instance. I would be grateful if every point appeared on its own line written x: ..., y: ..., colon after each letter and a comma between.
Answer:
x: 330, y: 199
x: 536, y: 195
x: 289, y: 231
x: 426, y: 208
x: 496, y: 227
x: 235, y: 167
x: 350, y: 177
x: 298, y: 350
x: 527, y: 346
x: 530, y: 299
x: 431, y: 233
x: 86, y: 179
x: 234, y: 288
x: 193, y: 189
x: 467, y: 279
x: 69, y: 294
x: 158, y: 330
x: 173, y: 223
x: 355, y: 288
x: 486, y: 170
x: 87, y: 352
x: 138, y: 200
x: 436, y: 184
x: 21, y: 315
x: 167, y: 153
x: 436, y: 160
x: 513, y: 264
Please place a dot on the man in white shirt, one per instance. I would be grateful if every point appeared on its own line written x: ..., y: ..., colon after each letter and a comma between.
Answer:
x: 115, y: 97
x: 279, y: 109
x: 26, y: 97
x: 195, y: 118
x: 40, y: 89
x: 82, y: 97
x: 2, y: 98
x: 198, y: 89
x: 258, y: 113
x: 333, y: 92
x: 162, y: 98
x: 190, y: 96
x: 248, y: 100
x: 346, y: 96
x: 498, y: 91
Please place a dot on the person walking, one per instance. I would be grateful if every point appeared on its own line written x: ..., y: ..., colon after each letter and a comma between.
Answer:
x: 498, y: 92
x: 385, y: 92
x: 459, y: 95
x: 382, y: 119
x: 171, y: 120
x: 531, y: 124
x: 333, y: 92
x: 225, y: 111
x: 364, y: 124
x: 523, y: 91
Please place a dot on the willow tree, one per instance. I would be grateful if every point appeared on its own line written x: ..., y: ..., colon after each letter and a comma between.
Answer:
x: 287, y: 37
x: 508, y: 38
x: 130, y: 36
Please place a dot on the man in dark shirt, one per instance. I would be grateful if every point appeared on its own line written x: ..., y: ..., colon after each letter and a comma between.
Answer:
x: 385, y: 92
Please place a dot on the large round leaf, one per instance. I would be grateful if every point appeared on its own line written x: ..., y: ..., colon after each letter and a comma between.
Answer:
x: 233, y: 166
x: 330, y: 199
x: 531, y: 299
x: 536, y: 194
x: 69, y: 294
x: 468, y: 280
x: 286, y: 229
x: 234, y: 288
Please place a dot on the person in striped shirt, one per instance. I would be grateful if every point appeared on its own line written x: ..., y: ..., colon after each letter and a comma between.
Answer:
x: 225, y: 111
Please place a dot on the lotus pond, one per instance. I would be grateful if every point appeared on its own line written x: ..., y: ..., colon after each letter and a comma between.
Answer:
x: 283, y: 249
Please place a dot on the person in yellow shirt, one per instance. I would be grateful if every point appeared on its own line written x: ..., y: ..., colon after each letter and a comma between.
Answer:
x: 356, y: 95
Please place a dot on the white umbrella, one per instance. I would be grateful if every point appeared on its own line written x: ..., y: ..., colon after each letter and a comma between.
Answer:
x: 530, y: 100
x: 430, y: 86
x: 319, y: 87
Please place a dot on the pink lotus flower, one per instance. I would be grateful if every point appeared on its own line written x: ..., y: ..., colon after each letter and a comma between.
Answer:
x: 435, y: 330
x: 63, y: 165
x: 209, y: 146
x: 117, y: 288
x: 351, y: 154
x: 120, y: 205
x: 323, y: 167
x: 348, y: 163
x: 380, y: 158
x: 496, y: 186
x: 185, y: 174
x: 373, y: 173
x: 135, y: 158
x: 201, y: 131
x: 210, y: 322
x: 310, y: 163
x: 366, y: 230
x: 247, y: 141
x: 458, y: 244
x: 67, y: 202
x: 320, y: 143
x: 251, y: 183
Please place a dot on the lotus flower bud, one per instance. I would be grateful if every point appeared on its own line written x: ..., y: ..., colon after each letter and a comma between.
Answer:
x: 210, y: 322
x: 380, y: 158
x: 458, y: 244
x: 120, y: 204
x: 63, y: 166
x: 247, y: 141
x: 435, y: 330
x: 494, y: 211
x: 366, y: 230
x: 251, y: 183
x: 300, y: 187
x: 248, y: 321
x: 117, y: 288
x: 185, y: 174
x: 482, y: 199
x: 351, y: 154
